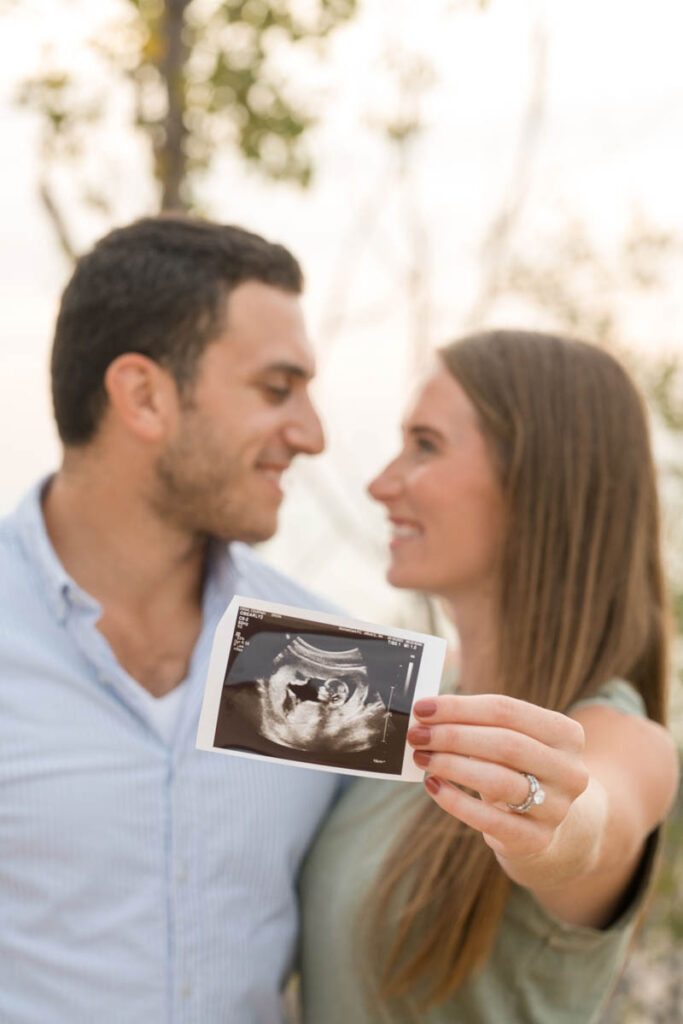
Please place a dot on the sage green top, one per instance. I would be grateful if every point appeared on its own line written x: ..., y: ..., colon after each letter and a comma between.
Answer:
x: 540, y: 971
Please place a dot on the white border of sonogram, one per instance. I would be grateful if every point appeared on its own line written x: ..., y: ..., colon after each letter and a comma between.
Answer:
x: 426, y: 684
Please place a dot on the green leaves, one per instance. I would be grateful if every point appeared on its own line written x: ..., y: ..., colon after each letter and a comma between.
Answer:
x: 206, y: 76
x: 235, y: 95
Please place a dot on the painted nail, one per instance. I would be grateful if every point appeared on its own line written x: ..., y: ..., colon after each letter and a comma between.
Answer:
x: 419, y: 736
x: 422, y: 758
x: 433, y: 784
x: 425, y: 708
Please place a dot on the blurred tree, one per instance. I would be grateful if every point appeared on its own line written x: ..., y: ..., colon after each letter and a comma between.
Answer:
x: 205, y: 75
x: 564, y: 283
x: 578, y: 291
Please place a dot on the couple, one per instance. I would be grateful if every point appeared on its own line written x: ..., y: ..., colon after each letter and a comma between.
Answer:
x: 142, y: 880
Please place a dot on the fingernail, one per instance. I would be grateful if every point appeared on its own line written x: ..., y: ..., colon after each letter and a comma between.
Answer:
x: 419, y: 736
x: 422, y: 758
x: 425, y: 708
x: 433, y: 784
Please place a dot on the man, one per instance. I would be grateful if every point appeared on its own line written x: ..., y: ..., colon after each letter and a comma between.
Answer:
x: 142, y: 881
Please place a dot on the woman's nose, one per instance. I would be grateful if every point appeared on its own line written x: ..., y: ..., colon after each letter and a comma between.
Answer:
x: 387, y: 484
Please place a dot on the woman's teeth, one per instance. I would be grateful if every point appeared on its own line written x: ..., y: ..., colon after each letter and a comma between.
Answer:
x: 405, y: 531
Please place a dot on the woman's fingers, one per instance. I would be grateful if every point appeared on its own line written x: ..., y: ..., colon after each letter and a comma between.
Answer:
x: 513, y: 750
x: 498, y: 709
x: 484, y: 743
x: 510, y: 835
x: 495, y: 783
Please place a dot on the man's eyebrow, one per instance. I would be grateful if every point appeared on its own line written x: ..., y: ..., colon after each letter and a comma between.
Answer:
x: 291, y: 369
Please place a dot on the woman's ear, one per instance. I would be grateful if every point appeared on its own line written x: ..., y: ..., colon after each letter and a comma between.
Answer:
x: 142, y: 395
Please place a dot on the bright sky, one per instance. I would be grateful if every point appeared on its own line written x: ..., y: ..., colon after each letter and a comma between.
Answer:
x: 611, y: 145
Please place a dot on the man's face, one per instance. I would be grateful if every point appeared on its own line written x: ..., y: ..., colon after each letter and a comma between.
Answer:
x: 247, y: 416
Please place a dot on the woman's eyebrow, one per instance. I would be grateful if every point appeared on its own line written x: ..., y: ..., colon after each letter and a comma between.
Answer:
x: 421, y: 428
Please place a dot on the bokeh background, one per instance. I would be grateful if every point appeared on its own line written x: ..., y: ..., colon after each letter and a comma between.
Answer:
x: 437, y: 167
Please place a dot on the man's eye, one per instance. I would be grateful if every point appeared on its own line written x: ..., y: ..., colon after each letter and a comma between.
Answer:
x: 423, y: 444
x: 275, y: 394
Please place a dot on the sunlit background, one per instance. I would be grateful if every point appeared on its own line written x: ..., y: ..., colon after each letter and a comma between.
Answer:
x: 516, y: 162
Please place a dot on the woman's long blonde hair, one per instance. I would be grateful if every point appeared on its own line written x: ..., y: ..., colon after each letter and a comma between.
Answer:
x: 582, y: 600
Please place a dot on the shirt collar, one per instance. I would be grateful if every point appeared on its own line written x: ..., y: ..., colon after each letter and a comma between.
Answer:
x: 65, y: 596
x: 60, y: 590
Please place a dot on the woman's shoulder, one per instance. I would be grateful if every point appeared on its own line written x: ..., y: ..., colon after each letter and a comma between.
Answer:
x: 615, y: 693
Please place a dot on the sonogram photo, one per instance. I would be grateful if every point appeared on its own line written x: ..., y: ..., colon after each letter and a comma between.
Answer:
x: 309, y: 691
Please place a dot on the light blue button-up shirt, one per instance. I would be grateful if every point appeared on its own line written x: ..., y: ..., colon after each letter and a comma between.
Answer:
x: 141, y: 882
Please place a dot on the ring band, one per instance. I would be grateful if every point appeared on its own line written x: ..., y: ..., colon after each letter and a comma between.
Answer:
x: 535, y: 796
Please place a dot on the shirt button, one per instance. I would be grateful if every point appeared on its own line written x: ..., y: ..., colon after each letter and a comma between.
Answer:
x: 181, y: 876
x: 186, y: 990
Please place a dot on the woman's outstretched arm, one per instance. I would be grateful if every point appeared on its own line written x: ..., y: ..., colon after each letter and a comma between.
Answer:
x: 608, y: 779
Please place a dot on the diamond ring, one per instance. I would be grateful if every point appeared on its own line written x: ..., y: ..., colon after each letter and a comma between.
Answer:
x: 535, y: 796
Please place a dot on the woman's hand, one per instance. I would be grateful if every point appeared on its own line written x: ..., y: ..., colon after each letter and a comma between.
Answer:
x: 608, y: 779
x: 485, y: 743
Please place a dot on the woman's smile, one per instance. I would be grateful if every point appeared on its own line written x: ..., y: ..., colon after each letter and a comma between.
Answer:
x: 442, y: 495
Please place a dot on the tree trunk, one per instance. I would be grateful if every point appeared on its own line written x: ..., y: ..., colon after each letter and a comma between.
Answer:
x: 171, y: 154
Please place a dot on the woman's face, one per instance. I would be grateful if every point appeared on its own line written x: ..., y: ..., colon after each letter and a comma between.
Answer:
x: 442, y: 496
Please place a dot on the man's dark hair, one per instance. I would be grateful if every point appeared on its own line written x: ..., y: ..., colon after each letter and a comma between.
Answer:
x: 158, y: 287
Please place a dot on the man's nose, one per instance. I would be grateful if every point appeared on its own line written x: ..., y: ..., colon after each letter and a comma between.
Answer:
x: 305, y: 434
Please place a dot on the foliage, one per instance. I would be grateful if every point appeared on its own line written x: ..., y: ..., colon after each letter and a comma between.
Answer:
x: 205, y: 75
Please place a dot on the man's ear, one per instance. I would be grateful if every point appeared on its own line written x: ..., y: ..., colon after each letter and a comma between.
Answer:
x: 143, y: 395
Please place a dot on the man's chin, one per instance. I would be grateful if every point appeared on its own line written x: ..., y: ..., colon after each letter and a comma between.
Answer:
x: 253, y: 533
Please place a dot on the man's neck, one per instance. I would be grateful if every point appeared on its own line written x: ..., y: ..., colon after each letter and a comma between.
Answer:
x: 147, y: 575
x: 113, y: 544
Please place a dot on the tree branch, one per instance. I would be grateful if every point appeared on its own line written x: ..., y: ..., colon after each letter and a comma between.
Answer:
x: 57, y: 219
x: 496, y: 243
x: 172, y: 67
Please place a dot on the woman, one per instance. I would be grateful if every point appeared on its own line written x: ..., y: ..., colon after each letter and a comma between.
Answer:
x: 506, y: 889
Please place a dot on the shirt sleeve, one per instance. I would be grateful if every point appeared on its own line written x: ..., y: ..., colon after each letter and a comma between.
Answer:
x: 618, y: 694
